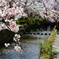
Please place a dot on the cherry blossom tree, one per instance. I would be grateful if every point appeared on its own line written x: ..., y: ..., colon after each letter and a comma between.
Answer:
x: 45, y: 8
x: 9, y: 11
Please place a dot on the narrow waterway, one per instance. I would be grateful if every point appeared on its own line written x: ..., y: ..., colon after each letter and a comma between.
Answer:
x: 30, y: 50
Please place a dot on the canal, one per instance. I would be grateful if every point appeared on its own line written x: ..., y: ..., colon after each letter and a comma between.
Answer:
x: 30, y: 49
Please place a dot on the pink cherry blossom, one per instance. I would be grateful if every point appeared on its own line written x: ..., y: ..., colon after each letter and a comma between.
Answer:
x: 17, y: 3
x: 14, y: 12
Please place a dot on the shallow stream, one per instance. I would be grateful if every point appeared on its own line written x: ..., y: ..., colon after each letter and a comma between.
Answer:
x: 30, y: 50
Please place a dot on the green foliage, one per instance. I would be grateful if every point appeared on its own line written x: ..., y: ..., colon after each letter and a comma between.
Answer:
x: 28, y: 20
x: 33, y: 30
x: 46, y: 48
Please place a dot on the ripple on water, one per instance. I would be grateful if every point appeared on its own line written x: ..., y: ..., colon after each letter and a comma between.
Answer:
x: 30, y: 50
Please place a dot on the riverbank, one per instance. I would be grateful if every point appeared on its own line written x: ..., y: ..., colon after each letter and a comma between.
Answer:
x: 46, y: 48
x: 29, y: 50
x: 56, y: 46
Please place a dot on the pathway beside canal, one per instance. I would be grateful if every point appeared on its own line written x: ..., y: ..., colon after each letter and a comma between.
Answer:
x: 56, y: 46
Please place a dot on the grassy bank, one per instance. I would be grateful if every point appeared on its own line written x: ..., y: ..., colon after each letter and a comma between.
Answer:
x: 46, y: 48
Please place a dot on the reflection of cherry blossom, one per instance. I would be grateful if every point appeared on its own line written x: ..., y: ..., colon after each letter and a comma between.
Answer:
x: 17, y: 48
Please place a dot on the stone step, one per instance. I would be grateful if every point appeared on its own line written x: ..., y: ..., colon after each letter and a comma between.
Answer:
x: 55, y: 46
x: 56, y: 50
x: 56, y: 56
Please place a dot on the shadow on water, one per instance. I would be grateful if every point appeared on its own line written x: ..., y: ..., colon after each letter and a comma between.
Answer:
x: 30, y: 50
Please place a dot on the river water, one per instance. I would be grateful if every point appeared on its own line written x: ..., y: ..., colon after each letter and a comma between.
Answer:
x: 30, y: 50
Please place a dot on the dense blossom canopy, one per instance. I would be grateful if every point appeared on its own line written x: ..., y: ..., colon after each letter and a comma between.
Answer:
x: 9, y: 11
x: 45, y: 8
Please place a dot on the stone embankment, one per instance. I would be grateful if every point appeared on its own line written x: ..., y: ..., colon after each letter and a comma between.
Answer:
x: 56, y: 46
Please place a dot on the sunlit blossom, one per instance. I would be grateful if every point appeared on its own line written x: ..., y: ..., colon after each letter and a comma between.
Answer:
x: 16, y: 37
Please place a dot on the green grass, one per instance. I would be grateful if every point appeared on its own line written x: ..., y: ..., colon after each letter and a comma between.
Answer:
x: 46, y: 48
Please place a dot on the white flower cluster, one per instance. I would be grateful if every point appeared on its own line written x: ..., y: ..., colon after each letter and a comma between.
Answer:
x: 17, y: 48
x: 9, y: 11
x: 16, y: 39
x: 10, y: 24
x: 43, y: 7
x: 7, y: 44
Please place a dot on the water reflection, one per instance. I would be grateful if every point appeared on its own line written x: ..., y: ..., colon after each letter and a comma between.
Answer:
x: 30, y: 50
